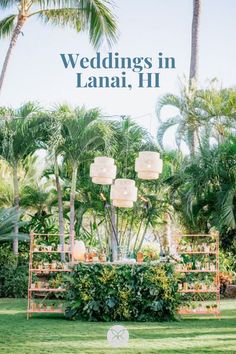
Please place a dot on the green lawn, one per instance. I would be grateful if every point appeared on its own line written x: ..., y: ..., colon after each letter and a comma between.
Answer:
x: 53, y: 334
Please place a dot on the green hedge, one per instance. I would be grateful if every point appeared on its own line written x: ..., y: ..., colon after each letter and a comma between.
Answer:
x: 13, y: 274
x: 122, y: 293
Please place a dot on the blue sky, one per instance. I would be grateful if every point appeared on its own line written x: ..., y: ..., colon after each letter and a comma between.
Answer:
x: 146, y: 28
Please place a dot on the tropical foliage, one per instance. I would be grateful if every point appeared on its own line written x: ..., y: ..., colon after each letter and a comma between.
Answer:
x: 92, y: 16
x: 201, y: 115
x: 122, y: 293
x: 195, y: 192
x: 202, y: 184
x: 14, y: 274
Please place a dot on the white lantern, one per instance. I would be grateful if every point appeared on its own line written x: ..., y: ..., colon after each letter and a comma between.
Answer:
x: 148, y: 165
x: 123, y: 193
x: 103, y: 170
x: 79, y: 251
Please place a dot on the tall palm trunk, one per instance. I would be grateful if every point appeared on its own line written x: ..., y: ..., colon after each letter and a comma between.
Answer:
x: 60, y: 207
x: 195, y: 42
x: 114, y: 234
x: 194, y: 143
x: 143, y: 236
x: 17, y: 206
x: 20, y: 23
x: 72, y: 201
x: 167, y: 233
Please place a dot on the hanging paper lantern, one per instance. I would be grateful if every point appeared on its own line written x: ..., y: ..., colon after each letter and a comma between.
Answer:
x: 79, y: 251
x: 103, y: 170
x: 123, y: 193
x: 148, y: 165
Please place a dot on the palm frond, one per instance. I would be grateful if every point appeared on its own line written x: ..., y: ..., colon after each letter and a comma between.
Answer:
x: 164, y: 126
x: 22, y: 132
x: 168, y: 100
x: 8, y: 218
x: 99, y: 21
x: 6, y: 4
x: 94, y: 16
x: 69, y: 17
x: 7, y: 26
x: 227, y: 209
x: 180, y: 132
x: 57, y: 4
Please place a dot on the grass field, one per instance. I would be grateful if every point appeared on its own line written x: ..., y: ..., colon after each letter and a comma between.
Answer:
x: 53, y: 334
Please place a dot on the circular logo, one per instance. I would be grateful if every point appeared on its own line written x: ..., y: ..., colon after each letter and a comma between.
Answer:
x: 118, y: 336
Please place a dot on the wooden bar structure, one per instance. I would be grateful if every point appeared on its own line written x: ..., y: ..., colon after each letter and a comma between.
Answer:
x: 43, y: 292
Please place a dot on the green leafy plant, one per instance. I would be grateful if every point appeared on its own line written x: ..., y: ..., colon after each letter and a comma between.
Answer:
x: 13, y: 275
x: 122, y: 293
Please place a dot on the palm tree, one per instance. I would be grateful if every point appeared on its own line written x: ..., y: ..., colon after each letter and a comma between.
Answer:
x: 82, y: 132
x: 218, y: 110
x: 201, y: 115
x: 53, y: 147
x: 195, y: 42
x: 203, y: 189
x: 93, y: 16
x: 20, y: 135
x: 188, y: 119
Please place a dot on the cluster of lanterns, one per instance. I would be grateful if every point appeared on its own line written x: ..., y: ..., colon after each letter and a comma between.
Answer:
x: 123, y: 193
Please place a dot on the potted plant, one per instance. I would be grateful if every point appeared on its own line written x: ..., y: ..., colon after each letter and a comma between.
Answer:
x: 64, y: 266
x: 60, y: 306
x: 54, y: 265
x: 194, y: 307
x: 214, y: 307
x: 40, y: 266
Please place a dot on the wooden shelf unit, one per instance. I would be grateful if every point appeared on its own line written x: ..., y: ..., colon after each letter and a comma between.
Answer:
x: 46, y: 271
x: 199, y: 312
x: 195, y: 271
x: 46, y: 311
x: 214, y: 254
x: 44, y: 292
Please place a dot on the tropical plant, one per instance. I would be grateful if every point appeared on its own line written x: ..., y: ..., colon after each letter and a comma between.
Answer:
x: 93, y: 16
x: 53, y: 148
x: 8, y: 219
x: 218, y: 112
x: 203, y: 191
x: 188, y: 119
x: 14, y: 273
x: 82, y: 132
x: 121, y: 292
x: 21, y: 133
x: 201, y: 116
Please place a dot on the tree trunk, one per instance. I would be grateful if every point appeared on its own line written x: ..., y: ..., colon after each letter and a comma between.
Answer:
x: 143, y: 236
x: 138, y: 233
x: 114, y: 236
x: 194, y: 143
x: 17, y: 206
x: 167, y: 233
x: 195, y: 42
x: 72, y: 201
x: 60, y: 208
x: 20, y: 23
